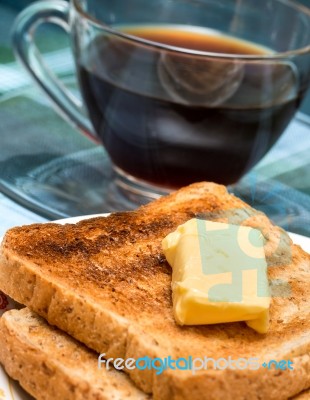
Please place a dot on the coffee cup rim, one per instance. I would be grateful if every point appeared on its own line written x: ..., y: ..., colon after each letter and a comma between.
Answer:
x: 192, y: 52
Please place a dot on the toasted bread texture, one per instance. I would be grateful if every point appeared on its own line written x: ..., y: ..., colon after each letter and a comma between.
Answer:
x: 106, y: 282
x: 51, y: 365
x: 302, y: 396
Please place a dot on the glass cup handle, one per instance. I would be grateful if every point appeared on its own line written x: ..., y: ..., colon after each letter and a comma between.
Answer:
x: 28, y: 54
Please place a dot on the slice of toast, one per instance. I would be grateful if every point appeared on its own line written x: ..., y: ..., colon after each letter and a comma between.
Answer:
x: 51, y: 365
x: 105, y: 281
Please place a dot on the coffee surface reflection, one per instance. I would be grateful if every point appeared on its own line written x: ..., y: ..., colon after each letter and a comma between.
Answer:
x: 171, y: 118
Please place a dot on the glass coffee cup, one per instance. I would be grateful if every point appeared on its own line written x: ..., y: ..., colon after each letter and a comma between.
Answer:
x: 176, y: 91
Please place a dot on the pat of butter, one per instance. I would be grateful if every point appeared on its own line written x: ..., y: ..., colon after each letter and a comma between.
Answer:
x: 219, y: 274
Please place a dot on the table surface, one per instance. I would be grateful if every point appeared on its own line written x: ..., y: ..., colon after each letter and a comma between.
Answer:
x: 286, y: 166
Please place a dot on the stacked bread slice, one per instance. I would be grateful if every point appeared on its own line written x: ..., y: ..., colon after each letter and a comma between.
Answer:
x: 105, y: 282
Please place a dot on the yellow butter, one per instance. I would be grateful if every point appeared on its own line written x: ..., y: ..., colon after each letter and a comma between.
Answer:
x: 219, y: 274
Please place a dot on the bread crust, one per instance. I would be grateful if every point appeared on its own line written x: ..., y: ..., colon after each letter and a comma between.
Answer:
x: 302, y: 396
x: 51, y: 365
x: 105, y: 282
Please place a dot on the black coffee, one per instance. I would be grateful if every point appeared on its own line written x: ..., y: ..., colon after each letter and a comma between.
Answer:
x: 172, y: 119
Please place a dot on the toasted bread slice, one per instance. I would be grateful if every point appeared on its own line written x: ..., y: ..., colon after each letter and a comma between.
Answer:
x: 105, y: 281
x: 51, y: 365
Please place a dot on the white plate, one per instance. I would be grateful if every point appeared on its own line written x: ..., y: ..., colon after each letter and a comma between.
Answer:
x: 11, y: 390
